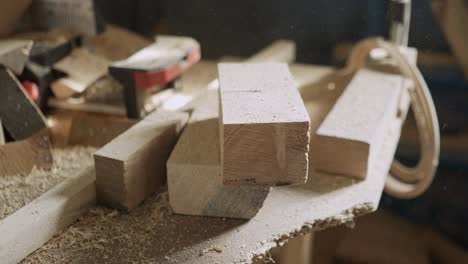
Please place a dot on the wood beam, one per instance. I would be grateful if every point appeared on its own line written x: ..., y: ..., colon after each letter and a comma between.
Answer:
x: 264, y: 125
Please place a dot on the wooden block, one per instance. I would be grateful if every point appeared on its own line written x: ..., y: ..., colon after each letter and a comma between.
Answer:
x: 352, y: 132
x: 18, y: 112
x: 264, y: 125
x: 33, y: 225
x: 21, y: 156
x: 14, y: 54
x: 109, y: 43
x: 194, y: 171
x: 83, y: 69
x: 132, y: 166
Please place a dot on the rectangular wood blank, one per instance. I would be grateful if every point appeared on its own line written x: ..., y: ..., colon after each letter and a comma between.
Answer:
x: 30, y: 227
x: 133, y: 165
x: 350, y: 135
x: 264, y: 125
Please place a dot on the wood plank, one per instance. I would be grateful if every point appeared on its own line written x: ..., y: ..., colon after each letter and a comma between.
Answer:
x: 350, y: 136
x: 22, y: 155
x: 194, y: 171
x: 264, y: 125
x: 132, y: 166
x: 83, y: 69
x: 14, y: 54
x: 20, y: 115
x: 33, y: 225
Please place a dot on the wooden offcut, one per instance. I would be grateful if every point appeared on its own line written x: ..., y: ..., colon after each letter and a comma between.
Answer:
x: 349, y: 138
x: 20, y: 115
x: 22, y: 155
x: 132, y: 166
x: 264, y: 125
x: 33, y: 225
x: 82, y: 68
x: 194, y: 171
x: 14, y: 54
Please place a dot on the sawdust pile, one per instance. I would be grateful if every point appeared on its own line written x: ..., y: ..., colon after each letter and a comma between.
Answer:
x: 18, y: 190
x: 149, y: 234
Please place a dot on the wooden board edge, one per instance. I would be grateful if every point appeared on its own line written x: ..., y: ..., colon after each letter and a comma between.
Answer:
x: 33, y: 225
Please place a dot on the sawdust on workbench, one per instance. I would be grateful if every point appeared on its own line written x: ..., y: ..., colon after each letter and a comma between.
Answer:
x: 18, y: 190
x: 149, y: 234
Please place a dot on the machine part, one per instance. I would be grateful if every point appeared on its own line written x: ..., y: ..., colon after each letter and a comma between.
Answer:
x: 405, y: 182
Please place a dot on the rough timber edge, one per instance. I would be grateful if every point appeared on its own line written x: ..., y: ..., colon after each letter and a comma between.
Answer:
x: 34, y: 224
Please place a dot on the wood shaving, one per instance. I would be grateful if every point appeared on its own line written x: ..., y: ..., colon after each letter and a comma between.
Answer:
x: 18, y: 190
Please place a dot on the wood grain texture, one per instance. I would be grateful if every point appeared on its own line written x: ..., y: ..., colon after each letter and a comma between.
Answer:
x: 21, y: 156
x: 264, y: 125
x: 34, y: 224
x: 351, y: 134
x: 83, y: 69
x: 20, y: 115
x: 14, y: 54
x: 194, y: 171
x: 132, y: 166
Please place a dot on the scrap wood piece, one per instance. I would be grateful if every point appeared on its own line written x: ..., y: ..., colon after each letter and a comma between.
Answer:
x: 264, y: 125
x: 21, y: 156
x: 109, y: 43
x: 34, y: 224
x: 20, y: 115
x: 14, y: 54
x: 133, y: 165
x: 349, y: 138
x: 83, y: 69
x: 194, y: 171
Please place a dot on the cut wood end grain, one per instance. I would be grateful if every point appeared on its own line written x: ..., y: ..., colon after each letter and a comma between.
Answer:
x: 264, y: 125
x: 133, y: 165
